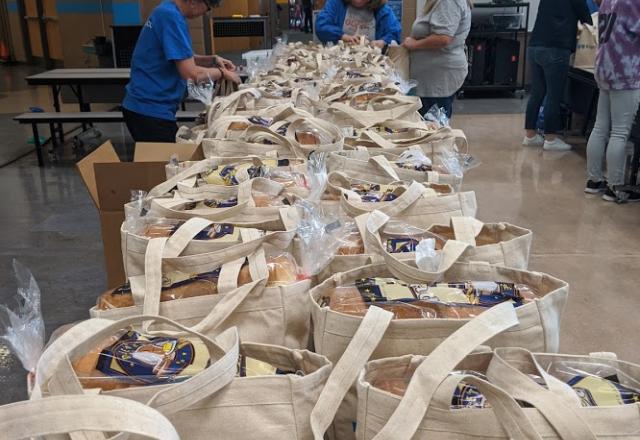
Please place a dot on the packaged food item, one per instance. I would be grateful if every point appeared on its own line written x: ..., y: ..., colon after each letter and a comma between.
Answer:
x: 374, y: 193
x: 308, y: 137
x: 400, y: 237
x: 407, y: 301
x: 283, y: 269
x: 252, y: 367
x: 132, y: 359
x: 175, y: 285
x: 227, y: 175
x: 265, y: 200
x: 238, y: 126
x: 427, y: 258
x: 481, y: 293
x: 208, y: 203
x: 351, y: 242
x: 217, y: 231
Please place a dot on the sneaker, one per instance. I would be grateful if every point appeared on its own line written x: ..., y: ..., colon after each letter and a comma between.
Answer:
x: 556, y: 145
x: 621, y: 196
x: 595, y: 187
x: 536, y: 141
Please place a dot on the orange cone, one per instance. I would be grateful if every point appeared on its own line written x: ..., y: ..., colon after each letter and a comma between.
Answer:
x: 4, y: 52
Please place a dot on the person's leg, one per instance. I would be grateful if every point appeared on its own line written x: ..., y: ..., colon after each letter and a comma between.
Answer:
x: 598, y: 140
x: 538, y: 92
x: 147, y: 129
x: 624, y: 106
x: 556, y: 69
x: 427, y: 103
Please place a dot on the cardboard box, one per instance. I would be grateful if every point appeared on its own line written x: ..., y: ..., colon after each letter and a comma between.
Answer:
x: 110, y: 182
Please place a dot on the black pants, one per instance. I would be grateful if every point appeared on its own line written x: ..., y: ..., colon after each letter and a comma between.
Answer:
x: 549, y: 69
x: 308, y: 18
x: 148, y: 129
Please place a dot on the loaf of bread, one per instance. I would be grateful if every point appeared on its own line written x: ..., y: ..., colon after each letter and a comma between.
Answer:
x: 351, y: 243
x: 282, y: 270
x: 238, y: 125
x: 159, y: 230
x: 308, y: 137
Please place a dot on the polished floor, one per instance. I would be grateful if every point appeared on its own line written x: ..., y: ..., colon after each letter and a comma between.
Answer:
x: 49, y: 224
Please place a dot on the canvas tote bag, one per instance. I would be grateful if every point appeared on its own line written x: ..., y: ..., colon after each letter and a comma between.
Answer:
x: 267, y: 314
x: 134, y: 246
x: 587, y: 48
x: 337, y: 407
x: 418, y: 205
x: 378, y: 110
x: 254, y: 141
x: 54, y: 417
x: 363, y: 164
x: 495, y: 243
x: 401, y: 60
x: 424, y: 412
x: 215, y: 400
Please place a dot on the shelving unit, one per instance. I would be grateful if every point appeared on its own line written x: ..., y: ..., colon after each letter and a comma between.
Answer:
x: 520, y: 35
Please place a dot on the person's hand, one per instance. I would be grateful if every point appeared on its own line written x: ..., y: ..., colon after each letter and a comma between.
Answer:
x: 410, y: 43
x: 351, y: 39
x: 378, y: 43
x: 224, y: 63
x: 230, y: 75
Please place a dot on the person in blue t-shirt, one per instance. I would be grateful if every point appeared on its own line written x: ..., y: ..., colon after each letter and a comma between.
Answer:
x: 162, y: 62
x: 347, y: 20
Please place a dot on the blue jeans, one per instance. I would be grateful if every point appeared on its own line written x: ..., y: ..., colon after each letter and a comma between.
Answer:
x: 549, y: 69
x: 445, y: 103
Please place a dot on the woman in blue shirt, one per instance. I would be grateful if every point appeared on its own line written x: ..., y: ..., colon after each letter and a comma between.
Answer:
x: 162, y: 62
x: 348, y: 20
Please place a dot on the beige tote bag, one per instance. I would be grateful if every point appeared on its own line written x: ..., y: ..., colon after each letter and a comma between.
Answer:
x: 384, y: 108
x: 336, y: 409
x: 587, y: 46
x: 54, y: 417
x: 215, y: 400
x: 424, y: 412
x: 248, y: 100
x: 134, y: 246
x: 380, y: 166
x: 277, y: 314
x: 418, y: 206
x: 495, y: 243
x: 254, y: 141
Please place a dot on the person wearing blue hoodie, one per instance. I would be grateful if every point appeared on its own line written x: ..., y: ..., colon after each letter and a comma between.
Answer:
x: 347, y: 20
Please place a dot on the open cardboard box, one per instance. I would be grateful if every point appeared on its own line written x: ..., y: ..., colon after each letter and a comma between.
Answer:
x: 110, y: 182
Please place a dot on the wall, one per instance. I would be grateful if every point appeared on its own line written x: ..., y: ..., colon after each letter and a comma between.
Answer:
x: 18, y: 48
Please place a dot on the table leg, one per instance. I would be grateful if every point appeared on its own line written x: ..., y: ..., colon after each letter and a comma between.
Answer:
x: 56, y: 105
x: 81, y: 104
x: 36, y: 142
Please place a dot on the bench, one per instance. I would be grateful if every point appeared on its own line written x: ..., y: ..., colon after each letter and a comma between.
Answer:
x: 80, y: 117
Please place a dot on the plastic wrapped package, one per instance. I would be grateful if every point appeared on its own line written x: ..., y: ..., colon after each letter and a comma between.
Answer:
x: 207, y: 203
x: 427, y: 258
x: 350, y: 239
x: 264, y: 200
x: 283, y: 269
x: 154, y: 227
x: 202, y: 91
x: 173, y: 167
x: 22, y: 328
x: 375, y: 193
x: 130, y: 359
x: 401, y: 237
x: 441, y: 300
x: 437, y: 115
x: 138, y: 208
x: 597, y: 383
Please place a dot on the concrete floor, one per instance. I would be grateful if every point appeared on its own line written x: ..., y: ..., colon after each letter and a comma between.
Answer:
x: 49, y: 224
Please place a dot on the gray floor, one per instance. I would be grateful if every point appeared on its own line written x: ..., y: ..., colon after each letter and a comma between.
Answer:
x: 50, y: 224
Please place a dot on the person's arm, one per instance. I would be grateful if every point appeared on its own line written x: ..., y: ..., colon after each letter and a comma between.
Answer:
x: 582, y: 11
x: 432, y: 42
x: 388, y: 25
x: 214, y: 60
x: 188, y: 70
x: 328, y: 29
x: 445, y: 19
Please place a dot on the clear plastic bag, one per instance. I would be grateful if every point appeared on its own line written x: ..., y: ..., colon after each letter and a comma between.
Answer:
x: 401, y: 237
x: 414, y: 160
x: 597, y: 383
x: 131, y: 359
x: 483, y: 294
x: 202, y: 91
x: 318, y: 177
x: 427, y: 258
x: 23, y: 327
x: 350, y: 239
x: 437, y: 115
x: 173, y: 167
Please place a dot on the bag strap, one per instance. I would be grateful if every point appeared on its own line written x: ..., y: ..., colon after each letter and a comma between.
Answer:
x: 509, y: 413
x: 165, y: 208
x: 466, y: 229
x: 166, y: 186
x: 93, y: 413
x: 383, y: 164
x: 406, y: 418
x: 344, y: 373
x: 557, y: 404
x: 450, y: 254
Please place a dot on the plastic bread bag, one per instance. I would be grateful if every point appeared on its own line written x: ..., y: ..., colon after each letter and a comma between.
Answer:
x: 390, y: 294
x: 401, y: 237
x: 131, y: 358
x: 350, y: 239
x: 202, y: 91
x: 415, y: 160
x: 319, y: 236
x: 427, y: 258
x: 207, y: 203
x: 597, y: 383
x: 22, y: 327
x: 318, y: 177
x: 283, y: 268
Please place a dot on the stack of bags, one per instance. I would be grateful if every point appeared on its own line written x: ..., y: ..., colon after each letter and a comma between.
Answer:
x: 321, y: 274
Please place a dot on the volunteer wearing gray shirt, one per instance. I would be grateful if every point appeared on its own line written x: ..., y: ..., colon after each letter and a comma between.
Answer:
x: 437, y: 45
